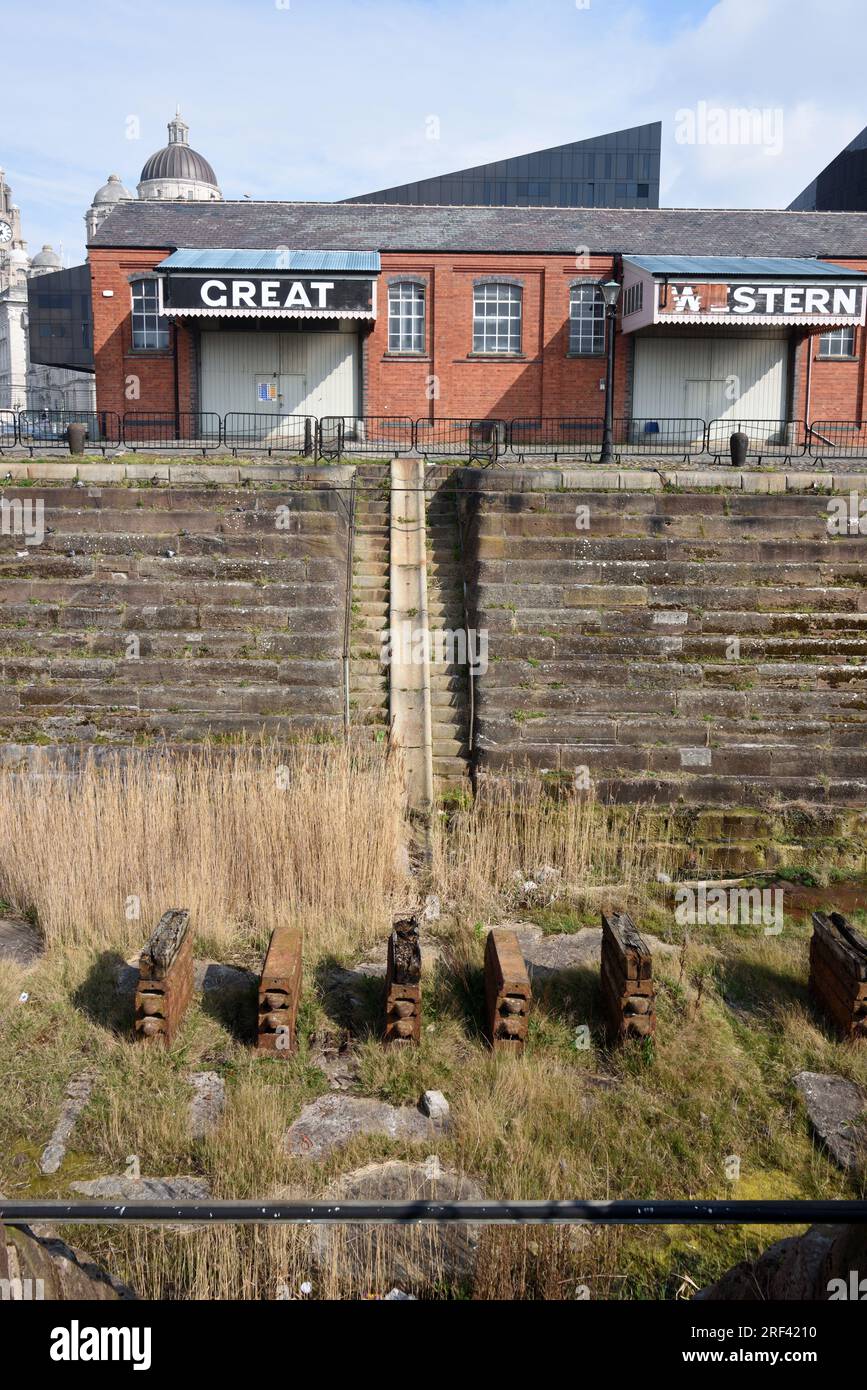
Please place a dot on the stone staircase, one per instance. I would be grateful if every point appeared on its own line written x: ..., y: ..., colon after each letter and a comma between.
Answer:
x: 155, y: 613
x: 449, y: 680
x: 368, y: 676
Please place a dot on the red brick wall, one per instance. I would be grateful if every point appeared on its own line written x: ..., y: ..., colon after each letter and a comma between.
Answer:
x: 828, y: 389
x: 120, y: 371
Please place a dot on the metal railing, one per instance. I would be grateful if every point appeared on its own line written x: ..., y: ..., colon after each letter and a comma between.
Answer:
x: 777, y: 439
x: 376, y: 436
x: 187, y: 429
x: 46, y: 429
x: 657, y: 435
x: 474, y: 440
x: 555, y: 435
x: 840, y: 439
x: 8, y: 430
x: 284, y: 434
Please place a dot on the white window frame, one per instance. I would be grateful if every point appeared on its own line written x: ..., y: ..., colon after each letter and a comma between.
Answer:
x: 586, y: 320
x: 150, y: 328
x: 407, y: 320
x: 497, y: 318
x: 840, y: 343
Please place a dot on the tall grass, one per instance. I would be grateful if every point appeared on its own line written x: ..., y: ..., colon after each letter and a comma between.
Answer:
x: 245, y: 837
x: 517, y: 828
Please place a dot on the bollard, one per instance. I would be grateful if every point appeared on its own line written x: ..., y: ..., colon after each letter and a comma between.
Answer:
x: 403, y: 983
x: 75, y: 438
x: 739, y: 443
x: 628, y: 991
x: 838, y: 972
x: 280, y: 992
x: 165, y: 982
x: 507, y: 991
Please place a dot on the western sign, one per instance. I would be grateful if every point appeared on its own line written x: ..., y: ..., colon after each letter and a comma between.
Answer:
x: 793, y: 302
x: 313, y: 293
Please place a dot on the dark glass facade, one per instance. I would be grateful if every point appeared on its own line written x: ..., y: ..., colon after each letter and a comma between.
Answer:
x: 61, y: 319
x: 842, y: 184
x: 619, y: 170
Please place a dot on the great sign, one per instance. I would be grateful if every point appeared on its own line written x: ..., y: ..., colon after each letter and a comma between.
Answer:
x: 314, y: 293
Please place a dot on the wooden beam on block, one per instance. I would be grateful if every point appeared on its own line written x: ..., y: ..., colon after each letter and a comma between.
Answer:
x: 403, y: 983
x: 838, y: 972
x: 628, y: 991
x: 280, y: 992
x: 165, y: 982
x: 507, y: 991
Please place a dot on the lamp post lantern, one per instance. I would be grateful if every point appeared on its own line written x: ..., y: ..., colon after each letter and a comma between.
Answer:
x: 610, y: 292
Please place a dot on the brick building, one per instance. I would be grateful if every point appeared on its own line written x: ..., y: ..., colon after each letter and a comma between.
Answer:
x: 262, y: 309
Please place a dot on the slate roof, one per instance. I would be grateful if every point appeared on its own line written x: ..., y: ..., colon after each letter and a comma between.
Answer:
x: 398, y: 227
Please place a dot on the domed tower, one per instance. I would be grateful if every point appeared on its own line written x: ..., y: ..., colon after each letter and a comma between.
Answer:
x: 44, y: 262
x: 177, y: 171
x: 104, y: 199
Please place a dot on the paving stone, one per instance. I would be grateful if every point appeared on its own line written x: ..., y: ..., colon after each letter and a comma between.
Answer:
x: 117, y: 1187
x: 837, y: 1110
x: 208, y: 1103
x: 77, y: 1096
x: 410, y: 1258
x: 331, y: 1121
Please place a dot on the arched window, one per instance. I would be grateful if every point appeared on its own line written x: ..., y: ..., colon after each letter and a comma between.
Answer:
x: 496, y: 318
x: 586, y: 320
x: 150, y: 329
x: 406, y: 321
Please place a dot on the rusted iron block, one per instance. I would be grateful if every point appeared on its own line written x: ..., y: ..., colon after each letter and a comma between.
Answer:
x: 838, y: 972
x: 628, y: 991
x: 280, y: 992
x: 165, y: 979
x: 507, y: 991
x: 403, y: 983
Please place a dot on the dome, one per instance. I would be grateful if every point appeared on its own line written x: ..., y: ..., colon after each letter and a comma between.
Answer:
x: 111, y: 192
x: 46, y: 259
x: 178, y: 162
x: 177, y: 170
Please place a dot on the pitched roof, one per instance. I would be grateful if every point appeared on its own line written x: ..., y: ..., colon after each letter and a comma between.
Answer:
x: 552, y: 231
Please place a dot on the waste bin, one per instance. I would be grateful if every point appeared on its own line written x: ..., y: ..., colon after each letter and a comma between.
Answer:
x: 75, y: 437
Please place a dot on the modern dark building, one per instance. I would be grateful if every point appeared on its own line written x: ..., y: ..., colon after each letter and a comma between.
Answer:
x: 619, y: 170
x: 61, y: 319
x: 842, y: 184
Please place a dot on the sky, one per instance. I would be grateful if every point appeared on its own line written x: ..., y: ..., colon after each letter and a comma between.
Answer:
x: 326, y: 99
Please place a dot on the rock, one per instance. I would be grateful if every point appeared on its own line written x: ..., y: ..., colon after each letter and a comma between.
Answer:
x: 208, y: 1103
x: 48, y: 1268
x: 435, y: 1105
x: 208, y: 976
x: 19, y: 942
x: 548, y: 956
x: 837, y: 1111
x: 117, y: 1187
x: 410, y: 1258
x: 398, y: 1296
x: 76, y: 1098
x: 332, y: 1053
x: 432, y: 909
x: 799, y: 1267
x: 331, y: 1121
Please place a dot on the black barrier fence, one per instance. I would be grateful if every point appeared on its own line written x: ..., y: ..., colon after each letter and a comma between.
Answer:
x: 773, y: 439
x: 651, y: 435
x: 8, y: 429
x: 476, y: 440
x: 482, y: 440
x: 840, y: 439
x: 555, y: 435
x: 186, y: 429
x: 46, y: 429
x: 376, y: 436
x: 280, y: 434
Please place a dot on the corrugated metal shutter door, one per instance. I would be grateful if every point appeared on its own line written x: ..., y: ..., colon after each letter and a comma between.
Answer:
x: 318, y: 371
x: 719, y: 378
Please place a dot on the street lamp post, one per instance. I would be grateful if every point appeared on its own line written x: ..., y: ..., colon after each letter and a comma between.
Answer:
x: 610, y: 292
